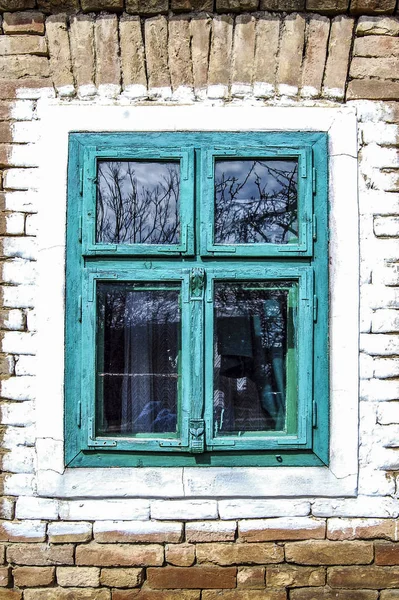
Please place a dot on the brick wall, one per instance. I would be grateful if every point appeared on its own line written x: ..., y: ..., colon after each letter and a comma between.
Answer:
x: 307, y: 548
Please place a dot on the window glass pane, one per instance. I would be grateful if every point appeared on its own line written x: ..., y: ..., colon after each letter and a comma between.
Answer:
x: 138, y: 357
x: 256, y: 201
x: 138, y: 202
x: 254, y: 356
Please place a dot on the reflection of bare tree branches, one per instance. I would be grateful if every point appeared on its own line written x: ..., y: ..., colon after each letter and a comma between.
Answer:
x: 269, y: 216
x: 137, y: 214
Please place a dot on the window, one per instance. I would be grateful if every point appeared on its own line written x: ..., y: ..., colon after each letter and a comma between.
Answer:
x: 196, y: 300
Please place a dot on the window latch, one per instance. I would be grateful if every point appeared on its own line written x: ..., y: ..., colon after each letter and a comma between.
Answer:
x: 197, y: 283
x: 197, y: 436
x: 92, y: 442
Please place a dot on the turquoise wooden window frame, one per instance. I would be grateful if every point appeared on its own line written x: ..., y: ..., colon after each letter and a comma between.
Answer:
x: 195, y: 264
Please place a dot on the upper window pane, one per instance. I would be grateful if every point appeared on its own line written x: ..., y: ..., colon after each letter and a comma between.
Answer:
x: 256, y: 201
x: 138, y: 202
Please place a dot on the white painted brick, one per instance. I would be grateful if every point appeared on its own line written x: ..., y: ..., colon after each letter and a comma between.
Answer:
x: 379, y: 133
x: 25, y: 133
x: 22, y: 110
x: 354, y: 525
x: 385, y: 321
x: 387, y: 459
x: 186, y: 510
x: 25, y: 365
x: 14, y: 320
x: 283, y: 523
x: 362, y: 506
x: 386, y: 226
x: 139, y: 528
x: 18, y: 388
x: 386, y: 367
x: 22, y: 201
x: 32, y: 224
x: 379, y: 296
x: 19, y: 271
x: 388, y: 412
x: 375, y: 483
x: 389, y: 435
x: 17, y: 414
x: 16, y: 342
x: 15, y: 223
x: 19, y: 436
x: 378, y: 157
x: 7, y: 508
x: 19, y: 484
x: 35, y: 93
x: 213, y: 529
x: 69, y: 528
x: 366, y: 315
x: 22, y: 247
x: 368, y: 110
x: 379, y: 390
x: 50, y: 454
x: 21, y: 179
x: 34, y: 530
x: 36, y: 508
x: 104, y: 510
x: 377, y: 344
x: 387, y: 274
x: 378, y: 203
x: 19, y: 296
x: 23, y: 155
x: 31, y: 320
x: 247, y: 509
x: 366, y: 366
x: 20, y: 459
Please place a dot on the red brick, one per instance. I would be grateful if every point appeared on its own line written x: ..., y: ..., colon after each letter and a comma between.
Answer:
x: 192, y: 577
x: 33, y: 576
x: 119, y: 555
x: 8, y: 88
x: 372, y: 89
x: 40, y: 554
x: 386, y: 553
x: 351, y: 529
x: 30, y: 21
x: 370, y: 577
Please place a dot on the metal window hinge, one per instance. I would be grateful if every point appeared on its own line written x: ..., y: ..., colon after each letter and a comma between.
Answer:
x: 79, y: 414
x: 80, y: 227
x: 197, y: 436
x: 314, y: 227
x: 315, y: 307
x: 314, y: 180
x: 80, y: 309
x: 304, y: 165
x: 314, y: 414
x: 92, y: 442
x: 81, y: 181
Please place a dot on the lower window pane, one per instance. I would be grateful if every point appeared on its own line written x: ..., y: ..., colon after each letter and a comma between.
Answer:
x: 138, y: 356
x: 255, y: 378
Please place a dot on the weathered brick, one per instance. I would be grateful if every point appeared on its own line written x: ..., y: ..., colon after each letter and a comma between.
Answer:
x: 184, y: 509
x: 372, y: 89
x: 138, y: 531
x: 4, y: 576
x: 317, y: 32
x: 220, y: 55
x: 23, y: 44
x: 61, y: 533
x: 78, y: 576
x: 389, y: 595
x: 370, y: 577
x: 362, y: 68
x: 386, y: 553
x: 33, y: 576
x: 328, y: 6
x: 372, y: 6
x: 232, y: 553
x: 132, y: 52
x: 252, y: 578
x: 49, y: 6
x: 67, y: 594
x: 192, y: 577
x: 22, y: 66
x: 338, y: 57
x: 82, y: 49
x: 283, y: 528
x: 329, y: 553
x: 23, y: 531
x: 156, y: 47
x: 377, y: 26
x: 122, y: 578
x: 265, y: 64
x: 376, y: 46
x: 286, y: 576
x: 351, y: 529
x: 147, y: 594
x: 107, y: 51
x: 30, y: 21
x: 211, y: 531
x: 200, y: 30
x: 32, y: 86
x: 147, y: 7
x: 282, y: 5
x: 327, y: 594
x: 40, y: 554
x: 10, y: 595
x: 290, y: 55
x: 236, y: 5
x: 244, y: 595
x: 180, y: 555
x: 97, y: 5
x: 191, y: 5
x: 119, y: 555
x: 180, y: 64
x: 243, y: 50
x: 60, y: 55
x: 16, y: 4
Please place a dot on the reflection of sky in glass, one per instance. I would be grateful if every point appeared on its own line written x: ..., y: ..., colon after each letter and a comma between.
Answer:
x: 138, y: 202
x: 256, y: 201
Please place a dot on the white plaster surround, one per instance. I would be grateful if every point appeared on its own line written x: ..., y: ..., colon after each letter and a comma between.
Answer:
x: 56, y: 119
